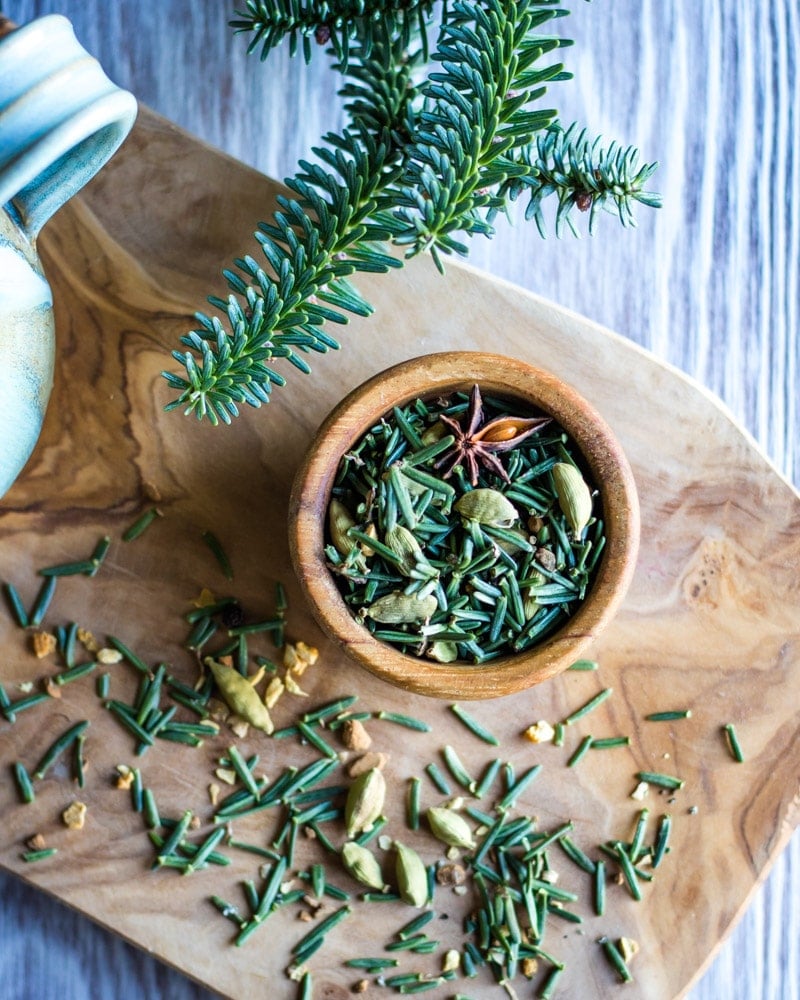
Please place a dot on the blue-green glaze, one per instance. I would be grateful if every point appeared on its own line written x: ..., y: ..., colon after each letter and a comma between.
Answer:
x: 61, y: 119
x: 27, y: 349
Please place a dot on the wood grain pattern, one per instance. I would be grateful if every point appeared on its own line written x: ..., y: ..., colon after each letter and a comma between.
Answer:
x: 709, y: 284
x: 711, y: 619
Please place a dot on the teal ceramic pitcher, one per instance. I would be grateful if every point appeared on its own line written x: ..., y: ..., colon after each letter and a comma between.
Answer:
x: 61, y: 119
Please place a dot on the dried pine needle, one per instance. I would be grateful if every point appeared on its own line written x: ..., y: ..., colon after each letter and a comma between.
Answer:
x: 141, y: 524
x: 473, y: 725
x: 219, y: 553
x: 733, y: 743
x: 588, y: 707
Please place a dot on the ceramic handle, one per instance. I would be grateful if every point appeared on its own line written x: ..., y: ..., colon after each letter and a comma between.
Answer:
x: 61, y: 119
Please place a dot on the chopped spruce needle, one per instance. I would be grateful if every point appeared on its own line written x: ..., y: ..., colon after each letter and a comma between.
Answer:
x: 661, y: 780
x: 32, y: 856
x: 219, y: 553
x: 588, y: 707
x: 473, y: 725
x: 733, y: 743
x: 669, y: 716
x: 141, y: 524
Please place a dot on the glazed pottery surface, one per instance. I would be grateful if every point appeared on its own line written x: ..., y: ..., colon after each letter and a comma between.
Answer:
x: 61, y: 119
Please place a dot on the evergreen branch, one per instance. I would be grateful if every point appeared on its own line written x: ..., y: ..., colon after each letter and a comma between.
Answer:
x: 581, y: 174
x: 476, y: 111
x: 329, y: 231
x: 336, y: 21
x: 417, y: 166
x: 313, y: 243
x: 380, y: 91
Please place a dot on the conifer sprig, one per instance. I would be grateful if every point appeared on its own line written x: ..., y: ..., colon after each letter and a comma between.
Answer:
x: 336, y: 21
x: 420, y: 163
x: 581, y: 174
x: 477, y: 108
x: 380, y: 90
x: 312, y: 245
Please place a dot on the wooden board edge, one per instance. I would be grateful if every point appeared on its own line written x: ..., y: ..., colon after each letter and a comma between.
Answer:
x: 789, y: 825
x: 573, y: 317
x: 109, y: 929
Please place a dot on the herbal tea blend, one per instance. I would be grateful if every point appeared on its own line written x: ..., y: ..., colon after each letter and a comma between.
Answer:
x: 461, y: 530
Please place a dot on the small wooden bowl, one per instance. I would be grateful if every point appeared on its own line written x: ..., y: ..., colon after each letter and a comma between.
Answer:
x: 437, y: 374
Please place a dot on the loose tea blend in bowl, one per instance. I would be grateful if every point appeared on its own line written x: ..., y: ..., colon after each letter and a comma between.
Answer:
x: 461, y: 529
x: 464, y: 542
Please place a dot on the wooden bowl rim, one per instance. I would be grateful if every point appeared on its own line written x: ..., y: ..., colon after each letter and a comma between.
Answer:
x: 499, y: 375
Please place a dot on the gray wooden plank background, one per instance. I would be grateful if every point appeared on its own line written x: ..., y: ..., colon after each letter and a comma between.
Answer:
x: 709, y: 283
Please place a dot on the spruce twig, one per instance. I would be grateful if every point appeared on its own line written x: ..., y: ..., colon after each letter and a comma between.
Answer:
x: 581, y: 174
x: 336, y: 21
x: 313, y: 243
x: 379, y: 88
x: 419, y: 165
x: 477, y: 109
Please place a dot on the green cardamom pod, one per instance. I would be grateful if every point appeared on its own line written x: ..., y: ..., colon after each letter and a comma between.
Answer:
x: 433, y: 433
x: 574, y: 496
x: 240, y: 696
x: 443, y: 652
x: 362, y: 865
x: 530, y: 604
x: 412, y: 876
x: 364, y: 802
x: 366, y: 550
x: 451, y: 961
x: 340, y: 521
x: 487, y: 507
x: 449, y: 827
x: 406, y: 547
x: 398, y: 608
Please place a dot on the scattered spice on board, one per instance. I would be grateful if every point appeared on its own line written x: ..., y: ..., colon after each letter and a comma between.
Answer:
x: 43, y: 644
x: 485, y: 847
x: 461, y: 532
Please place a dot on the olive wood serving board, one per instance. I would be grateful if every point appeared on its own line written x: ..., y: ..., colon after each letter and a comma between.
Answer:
x: 711, y: 623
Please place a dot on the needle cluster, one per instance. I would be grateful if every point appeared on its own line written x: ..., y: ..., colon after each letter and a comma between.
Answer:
x: 441, y: 137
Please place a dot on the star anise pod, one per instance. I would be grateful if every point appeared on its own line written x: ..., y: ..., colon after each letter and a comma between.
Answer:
x: 477, y: 444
